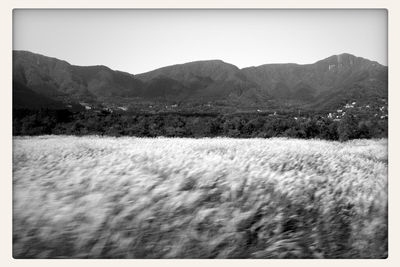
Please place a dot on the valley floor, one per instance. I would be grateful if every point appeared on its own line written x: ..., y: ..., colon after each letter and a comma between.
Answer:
x: 105, y: 197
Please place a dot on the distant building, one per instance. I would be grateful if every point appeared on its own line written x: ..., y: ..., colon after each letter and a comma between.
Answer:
x: 86, y: 105
x: 348, y: 106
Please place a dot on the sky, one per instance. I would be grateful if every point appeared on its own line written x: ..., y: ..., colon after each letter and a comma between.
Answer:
x: 137, y: 41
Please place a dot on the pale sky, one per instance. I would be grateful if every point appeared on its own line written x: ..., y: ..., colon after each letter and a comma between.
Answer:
x: 137, y: 41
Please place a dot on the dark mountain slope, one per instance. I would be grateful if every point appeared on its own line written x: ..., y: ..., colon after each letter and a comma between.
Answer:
x: 330, y: 74
x: 203, y: 80
x: 25, y: 98
x: 324, y: 84
x: 58, y: 79
x: 364, y: 92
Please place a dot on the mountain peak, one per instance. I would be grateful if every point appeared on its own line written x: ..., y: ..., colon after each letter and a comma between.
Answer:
x: 337, y: 58
x: 347, y: 60
x: 345, y: 57
x: 215, y: 69
x: 207, y: 61
x: 23, y: 54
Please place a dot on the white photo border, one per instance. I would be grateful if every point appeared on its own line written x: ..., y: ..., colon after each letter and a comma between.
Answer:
x: 6, y: 10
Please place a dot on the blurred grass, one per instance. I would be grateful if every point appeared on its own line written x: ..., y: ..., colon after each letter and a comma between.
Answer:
x: 103, y: 197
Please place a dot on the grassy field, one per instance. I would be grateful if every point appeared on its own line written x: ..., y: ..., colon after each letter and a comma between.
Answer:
x: 104, y: 197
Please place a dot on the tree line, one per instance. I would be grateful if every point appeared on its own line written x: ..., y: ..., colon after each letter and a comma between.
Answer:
x: 245, y: 125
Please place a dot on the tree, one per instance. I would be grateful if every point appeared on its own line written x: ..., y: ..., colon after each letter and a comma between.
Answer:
x: 348, y: 127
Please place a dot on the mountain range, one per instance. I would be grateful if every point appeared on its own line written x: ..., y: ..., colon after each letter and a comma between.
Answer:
x: 41, y: 81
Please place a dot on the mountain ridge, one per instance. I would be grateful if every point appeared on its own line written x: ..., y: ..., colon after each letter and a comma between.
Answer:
x: 201, y: 60
x: 202, y: 81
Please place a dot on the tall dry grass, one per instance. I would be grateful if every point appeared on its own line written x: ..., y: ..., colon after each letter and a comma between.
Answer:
x: 95, y: 197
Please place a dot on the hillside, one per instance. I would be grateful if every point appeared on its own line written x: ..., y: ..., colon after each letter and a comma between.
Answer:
x: 326, y: 84
x: 23, y: 97
x: 58, y: 79
x: 201, y: 80
x: 311, y: 81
